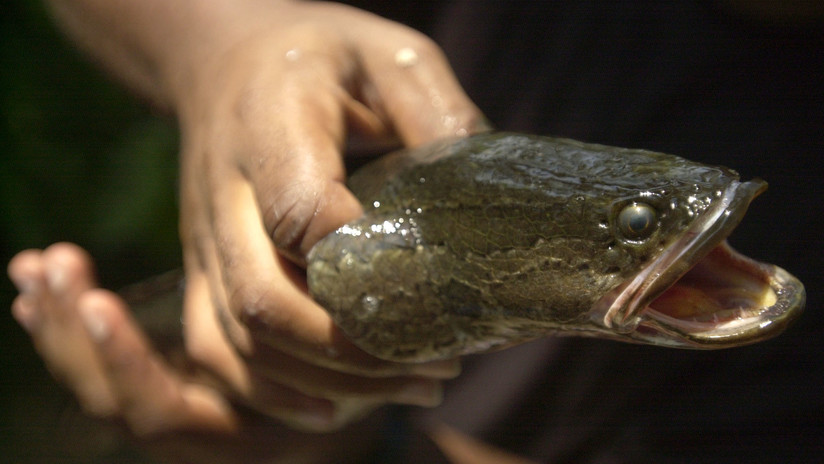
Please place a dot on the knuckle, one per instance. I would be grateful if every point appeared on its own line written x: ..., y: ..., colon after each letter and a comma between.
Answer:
x: 427, y: 51
x: 289, y: 214
x: 253, y: 304
x: 470, y: 120
x: 425, y: 47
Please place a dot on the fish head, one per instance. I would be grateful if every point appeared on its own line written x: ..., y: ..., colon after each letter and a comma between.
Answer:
x: 686, y: 287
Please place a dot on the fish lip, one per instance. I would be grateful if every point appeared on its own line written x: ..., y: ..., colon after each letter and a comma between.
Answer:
x: 626, y: 310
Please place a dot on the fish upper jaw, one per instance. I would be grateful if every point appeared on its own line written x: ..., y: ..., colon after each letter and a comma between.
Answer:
x: 700, y: 293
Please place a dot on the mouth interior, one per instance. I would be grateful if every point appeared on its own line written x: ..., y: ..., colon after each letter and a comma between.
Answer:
x: 724, y: 288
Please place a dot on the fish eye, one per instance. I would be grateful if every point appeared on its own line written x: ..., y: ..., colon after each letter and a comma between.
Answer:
x: 637, y: 221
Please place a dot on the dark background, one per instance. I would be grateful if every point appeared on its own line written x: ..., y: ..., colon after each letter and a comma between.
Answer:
x: 83, y: 161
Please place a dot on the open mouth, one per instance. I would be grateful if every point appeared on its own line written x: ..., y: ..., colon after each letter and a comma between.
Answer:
x: 700, y: 293
x: 726, y: 299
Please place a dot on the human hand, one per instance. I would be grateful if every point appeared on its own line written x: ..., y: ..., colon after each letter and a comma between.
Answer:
x: 264, y: 124
x: 90, y: 342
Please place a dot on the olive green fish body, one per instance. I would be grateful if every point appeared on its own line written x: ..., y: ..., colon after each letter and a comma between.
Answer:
x: 498, y: 238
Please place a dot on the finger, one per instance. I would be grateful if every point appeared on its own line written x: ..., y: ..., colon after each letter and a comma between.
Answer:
x: 50, y: 281
x: 409, y: 76
x: 207, y: 344
x: 69, y: 272
x: 150, y: 398
x: 205, y: 297
x: 26, y: 272
x: 284, y: 387
x: 325, y: 383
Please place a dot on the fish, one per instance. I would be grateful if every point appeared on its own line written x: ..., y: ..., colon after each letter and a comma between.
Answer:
x: 479, y: 243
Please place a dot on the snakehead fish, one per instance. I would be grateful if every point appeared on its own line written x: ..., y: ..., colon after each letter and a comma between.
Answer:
x: 472, y: 244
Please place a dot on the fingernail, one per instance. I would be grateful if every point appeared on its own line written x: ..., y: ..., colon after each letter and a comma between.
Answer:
x: 94, y: 320
x: 446, y: 369
x: 421, y: 393
x: 56, y: 277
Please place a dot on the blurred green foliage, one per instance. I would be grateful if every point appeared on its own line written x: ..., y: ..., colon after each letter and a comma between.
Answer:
x: 80, y: 160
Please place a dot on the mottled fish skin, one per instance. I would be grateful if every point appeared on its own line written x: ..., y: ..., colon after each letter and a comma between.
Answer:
x: 470, y: 244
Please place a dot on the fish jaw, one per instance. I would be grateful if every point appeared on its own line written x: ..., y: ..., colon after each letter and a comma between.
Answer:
x: 726, y: 300
x: 702, y: 294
